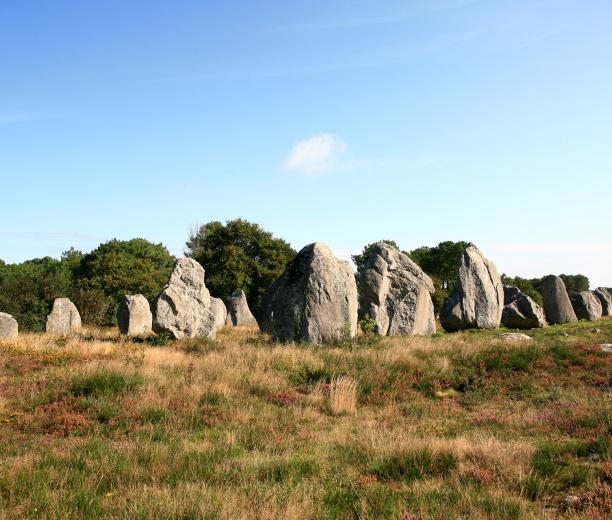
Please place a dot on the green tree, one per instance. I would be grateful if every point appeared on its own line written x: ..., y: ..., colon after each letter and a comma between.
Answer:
x: 239, y: 255
x: 575, y: 283
x: 361, y: 259
x: 114, y: 269
x: 528, y: 287
x: 27, y: 290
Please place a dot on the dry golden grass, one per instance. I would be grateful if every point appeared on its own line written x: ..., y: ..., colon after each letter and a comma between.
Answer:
x: 459, y: 426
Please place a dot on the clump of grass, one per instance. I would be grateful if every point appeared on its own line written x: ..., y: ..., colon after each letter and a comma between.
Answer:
x: 414, y: 464
x: 342, y: 397
x: 103, y: 382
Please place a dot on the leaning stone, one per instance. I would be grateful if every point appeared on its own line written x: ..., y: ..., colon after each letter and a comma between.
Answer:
x: 218, y: 308
x: 557, y: 305
x: 314, y: 300
x: 238, y: 312
x: 183, y: 309
x: 478, y: 298
x: 514, y: 336
x: 9, y: 329
x: 64, y: 318
x: 605, y: 299
x: 520, y: 311
x: 134, y: 315
x: 396, y: 294
x: 586, y: 306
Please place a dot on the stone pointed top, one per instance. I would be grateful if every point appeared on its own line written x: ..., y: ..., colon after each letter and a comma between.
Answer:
x: 317, y: 248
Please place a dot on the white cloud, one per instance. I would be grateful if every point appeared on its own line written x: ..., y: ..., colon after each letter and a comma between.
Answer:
x: 319, y: 154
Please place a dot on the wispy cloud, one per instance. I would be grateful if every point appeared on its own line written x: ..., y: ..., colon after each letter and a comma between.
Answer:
x: 318, y: 154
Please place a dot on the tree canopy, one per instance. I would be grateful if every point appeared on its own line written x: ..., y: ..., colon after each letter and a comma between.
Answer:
x: 239, y: 255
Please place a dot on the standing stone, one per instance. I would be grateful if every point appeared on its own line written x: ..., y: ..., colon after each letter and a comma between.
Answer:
x: 557, y: 305
x: 134, y: 315
x: 314, y: 300
x: 478, y: 298
x: 520, y: 311
x: 396, y: 293
x: 605, y: 299
x: 586, y: 305
x: 238, y: 312
x: 183, y: 309
x: 218, y: 308
x: 8, y: 326
x: 64, y: 318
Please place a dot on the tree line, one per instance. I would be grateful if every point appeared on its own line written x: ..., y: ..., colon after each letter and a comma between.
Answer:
x: 236, y: 255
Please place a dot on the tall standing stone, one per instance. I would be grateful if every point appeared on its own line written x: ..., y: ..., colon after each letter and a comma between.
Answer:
x: 314, y: 300
x: 64, y: 318
x: 8, y: 326
x: 604, y: 297
x: 134, y: 315
x: 586, y: 305
x: 218, y: 308
x: 477, y: 300
x: 238, y: 312
x: 183, y: 309
x: 557, y: 305
x: 396, y: 293
x: 520, y: 311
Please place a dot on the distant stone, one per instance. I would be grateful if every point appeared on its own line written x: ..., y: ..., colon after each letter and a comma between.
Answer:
x: 520, y: 311
x: 218, y: 308
x: 183, y: 309
x: 478, y: 298
x: 396, y: 293
x: 565, y: 334
x: 606, y: 347
x: 8, y: 326
x: 514, y: 336
x: 134, y: 315
x: 314, y: 300
x: 604, y: 297
x: 586, y: 306
x: 557, y: 305
x: 595, y: 330
x: 238, y: 312
x: 64, y: 318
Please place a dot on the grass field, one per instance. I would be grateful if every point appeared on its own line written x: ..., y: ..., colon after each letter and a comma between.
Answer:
x: 454, y: 426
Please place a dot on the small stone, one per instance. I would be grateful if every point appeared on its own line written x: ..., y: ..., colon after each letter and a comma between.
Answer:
x: 134, y: 315
x: 477, y: 301
x: 183, y: 308
x: 64, y: 318
x: 238, y: 312
x: 557, y: 305
x: 562, y: 334
x: 514, y: 336
x: 595, y: 330
x: 606, y: 347
x: 8, y: 326
x: 218, y: 308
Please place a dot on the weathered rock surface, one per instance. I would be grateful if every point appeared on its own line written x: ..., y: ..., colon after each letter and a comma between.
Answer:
x: 396, y: 293
x: 314, y: 300
x: 218, y: 308
x: 605, y: 298
x: 64, y: 318
x: 557, y: 305
x: 586, y: 305
x: 8, y: 326
x: 478, y: 298
x: 134, y: 315
x: 238, y: 312
x: 514, y: 336
x: 520, y: 311
x: 183, y: 309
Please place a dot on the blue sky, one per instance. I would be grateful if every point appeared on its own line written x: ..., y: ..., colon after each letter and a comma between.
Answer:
x: 341, y: 121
